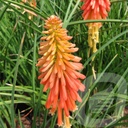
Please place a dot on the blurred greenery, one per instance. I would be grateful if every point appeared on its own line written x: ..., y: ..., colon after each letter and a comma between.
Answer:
x: 104, y: 101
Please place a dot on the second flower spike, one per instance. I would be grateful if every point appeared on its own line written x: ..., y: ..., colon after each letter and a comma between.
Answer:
x: 94, y: 10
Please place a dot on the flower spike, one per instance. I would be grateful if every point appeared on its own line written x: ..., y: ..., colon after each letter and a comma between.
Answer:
x: 59, y: 70
x: 94, y: 10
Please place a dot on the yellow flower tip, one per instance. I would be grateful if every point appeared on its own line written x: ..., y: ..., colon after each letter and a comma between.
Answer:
x: 52, y: 111
x: 66, y: 122
x: 59, y: 69
x: 54, y: 17
x: 76, y: 108
x: 53, y: 22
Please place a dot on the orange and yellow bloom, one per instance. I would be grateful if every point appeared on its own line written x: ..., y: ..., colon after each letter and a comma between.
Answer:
x: 59, y: 70
x: 94, y: 10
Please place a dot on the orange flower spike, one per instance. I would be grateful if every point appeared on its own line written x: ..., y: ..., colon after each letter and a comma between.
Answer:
x: 92, y: 10
x: 59, y: 70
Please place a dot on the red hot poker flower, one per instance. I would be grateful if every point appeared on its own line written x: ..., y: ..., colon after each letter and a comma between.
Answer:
x: 94, y: 10
x: 59, y: 70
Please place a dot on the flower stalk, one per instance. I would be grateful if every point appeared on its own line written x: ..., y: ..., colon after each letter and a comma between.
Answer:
x: 94, y: 10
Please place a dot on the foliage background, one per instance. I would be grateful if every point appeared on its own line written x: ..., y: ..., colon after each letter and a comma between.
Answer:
x: 19, y: 40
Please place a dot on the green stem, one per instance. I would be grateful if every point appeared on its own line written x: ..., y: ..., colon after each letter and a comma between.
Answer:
x: 91, y: 21
x: 14, y: 83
